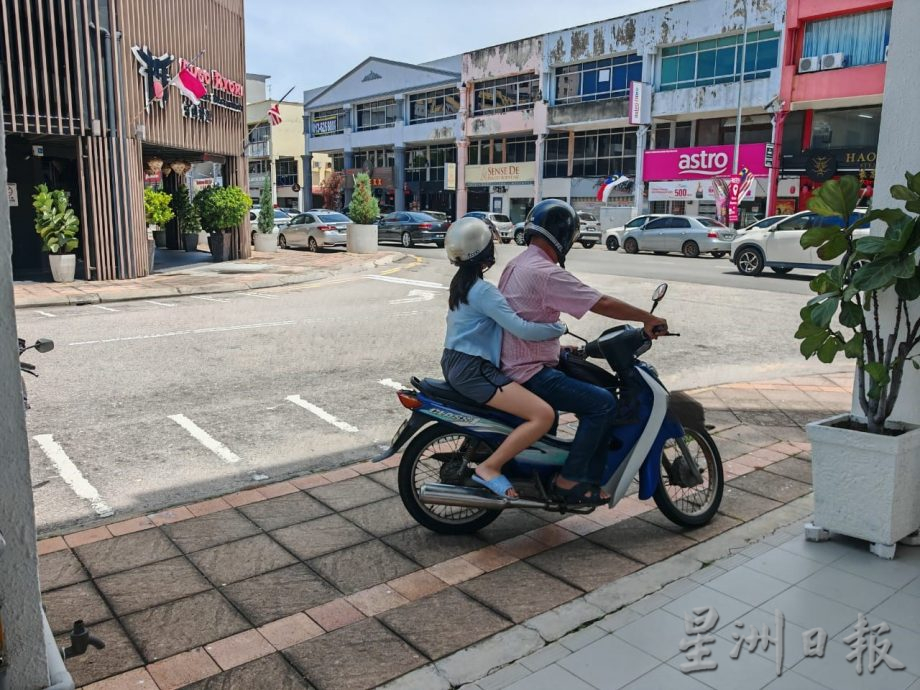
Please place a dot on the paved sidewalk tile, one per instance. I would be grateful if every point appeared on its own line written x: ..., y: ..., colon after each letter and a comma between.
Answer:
x: 748, y: 585
x: 124, y: 553
x: 609, y: 663
x: 319, y: 537
x: 152, y: 585
x: 271, y: 596
x: 519, y: 591
x: 120, y: 655
x: 80, y: 601
x: 241, y: 559
x: 665, y: 677
x: 268, y: 672
x: 551, y: 678
x: 362, y: 566
x: 60, y: 569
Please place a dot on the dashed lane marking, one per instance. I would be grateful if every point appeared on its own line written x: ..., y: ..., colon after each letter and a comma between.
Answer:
x: 390, y: 383
x: 322, y: 414
x: 205, y: 439
x: 99, y: 306
x: 407, y: 281
x: 214, y: 329
x: 253, y: 294
x: 45, y: 313
x: 71, y: 475
x: 210, y: 299
x: 159, y: 304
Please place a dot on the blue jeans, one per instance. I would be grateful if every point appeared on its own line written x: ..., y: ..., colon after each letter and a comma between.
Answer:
x: 595, y: 408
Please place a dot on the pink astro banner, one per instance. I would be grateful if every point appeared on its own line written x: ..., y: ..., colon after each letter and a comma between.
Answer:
x: 702, y: 162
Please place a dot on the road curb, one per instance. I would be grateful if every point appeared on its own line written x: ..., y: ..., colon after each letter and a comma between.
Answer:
x: 309, y: 276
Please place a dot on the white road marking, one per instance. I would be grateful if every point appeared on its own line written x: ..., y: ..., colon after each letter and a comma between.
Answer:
x: 251, y: 294
x: 45, y: 313
x: 390, y: 383
x: 415, y: 296
x: 215, y: 329
x: 159, y: 304
x: 210, y: 299
x: 407, y: 281
x: 71, y: 475
x: 322, y: 414
x: 99, y: 306
x: 205, y: 439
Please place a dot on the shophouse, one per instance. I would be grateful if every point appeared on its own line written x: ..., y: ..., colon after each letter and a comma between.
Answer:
x: 89, y: 104
x: 399, y: 123
x: 833, y: 77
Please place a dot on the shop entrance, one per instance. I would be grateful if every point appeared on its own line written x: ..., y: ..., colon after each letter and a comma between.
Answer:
x: 477, y: 199
x: 519, y: 209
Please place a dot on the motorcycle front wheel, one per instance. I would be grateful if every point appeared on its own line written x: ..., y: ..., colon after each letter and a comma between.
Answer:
x: 442, y: 455
x: 690, y: 506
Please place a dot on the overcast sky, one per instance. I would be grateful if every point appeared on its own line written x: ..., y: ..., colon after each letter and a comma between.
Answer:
x: 310, y: 43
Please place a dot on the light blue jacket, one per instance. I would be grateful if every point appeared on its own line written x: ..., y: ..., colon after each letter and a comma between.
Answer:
x: 476, y: 326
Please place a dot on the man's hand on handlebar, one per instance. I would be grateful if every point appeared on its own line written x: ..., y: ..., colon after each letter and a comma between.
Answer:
x: 655, y: 326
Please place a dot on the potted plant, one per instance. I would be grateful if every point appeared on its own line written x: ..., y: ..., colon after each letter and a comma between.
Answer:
x: 363, y: 211
x: 264, y: 238
x: 221, y: 209
x: 158, y: 212
x: 187, y: 217
x: 866, y: 468
x: 57, y: 225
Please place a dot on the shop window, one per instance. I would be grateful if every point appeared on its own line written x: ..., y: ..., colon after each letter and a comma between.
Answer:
x: 793, y: 129
x: 861, y: 37
x: 376, y: 114
x: 327, y: 122
x: 755, y: 129
x: 849, y: 128
x: 682, y: 133
x: 426, y: 163
x: 601, y: 153
x: 431, y: 106
x: 708, y: 132
x: 338, y: 162
x: 501, y: 95
x: 718, y: 60
x: 520, y: 149
x: 663, y: 135
x: 597, y: 80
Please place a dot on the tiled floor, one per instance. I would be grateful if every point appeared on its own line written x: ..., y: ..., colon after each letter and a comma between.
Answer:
x: 325, y: 581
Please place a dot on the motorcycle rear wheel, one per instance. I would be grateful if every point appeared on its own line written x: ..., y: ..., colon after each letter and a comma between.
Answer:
x: 691, y: 506
x: 437, y: 455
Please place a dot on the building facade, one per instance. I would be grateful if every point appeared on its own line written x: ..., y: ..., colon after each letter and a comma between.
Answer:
x: 89, y: 104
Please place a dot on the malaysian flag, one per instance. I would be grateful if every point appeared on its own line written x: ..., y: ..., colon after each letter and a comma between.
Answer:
x: 190, y: 85
x: 274, y: 115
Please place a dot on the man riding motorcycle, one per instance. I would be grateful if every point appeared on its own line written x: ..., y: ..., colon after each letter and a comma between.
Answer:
x: 539, y: 290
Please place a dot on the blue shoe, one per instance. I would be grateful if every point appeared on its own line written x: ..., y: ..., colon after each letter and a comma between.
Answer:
x: 499, y: 485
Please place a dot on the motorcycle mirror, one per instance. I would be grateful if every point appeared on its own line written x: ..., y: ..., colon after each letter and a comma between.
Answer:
x: 44, y: 345
x: 660, y: 292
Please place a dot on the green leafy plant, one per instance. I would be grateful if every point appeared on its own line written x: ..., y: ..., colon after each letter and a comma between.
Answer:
x: 363, y: 208
x: 222, y: 208
x: 157, y: 208
x: 266, y: 221
x: 873, y: 270
x: 55, y: 221
x: 186, y: 213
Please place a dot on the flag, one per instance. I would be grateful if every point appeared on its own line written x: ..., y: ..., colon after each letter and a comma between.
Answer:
x: 608, y: 185
x: 747, y: 181
x: 190, y: 86
x: 274, y: 115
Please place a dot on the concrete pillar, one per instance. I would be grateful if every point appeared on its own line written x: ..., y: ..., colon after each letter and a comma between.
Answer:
x: 20, y: 599
x: 399, y: 177
x: 348, y: 163
x: 639, y: 186
x: 899, y: 152
x: 306, y: 192
x: 462, y: 150
x: 538, y: 173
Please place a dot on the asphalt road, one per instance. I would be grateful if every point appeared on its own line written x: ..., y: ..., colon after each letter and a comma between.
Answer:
x: 152, y: 403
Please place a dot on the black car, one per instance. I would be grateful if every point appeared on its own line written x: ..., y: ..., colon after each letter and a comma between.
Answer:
x: 411, y: 227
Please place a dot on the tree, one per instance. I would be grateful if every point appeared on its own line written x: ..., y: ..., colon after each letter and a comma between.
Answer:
x: 332, y: 190
x: 266, y: 220
x: 363, y: 209
x: 222, y: 208
x: 186, y: 213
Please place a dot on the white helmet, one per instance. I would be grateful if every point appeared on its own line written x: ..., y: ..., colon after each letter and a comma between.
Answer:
x: 469, y: 239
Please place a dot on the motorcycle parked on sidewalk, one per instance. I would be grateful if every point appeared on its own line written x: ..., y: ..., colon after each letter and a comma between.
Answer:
x: 661, y: 439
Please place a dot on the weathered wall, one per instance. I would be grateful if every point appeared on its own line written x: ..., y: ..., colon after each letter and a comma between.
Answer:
x: 588, y: 112
x: 515, y: 57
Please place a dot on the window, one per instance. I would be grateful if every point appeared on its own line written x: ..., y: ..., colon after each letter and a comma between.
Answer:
x: 849, y: 128
x: 682, y: 134
x: 286, y: 173
x: 597, y: 80
x: 371, y: 159
x: 663, y: 135
x: 718, y: 60
x: 501, y: 95
x: 426, y: 163
x: 861, y: 37
x: 510, y: 150
x: 599, y: 153
x: 434, y: 105
x: 660, y: 224
x: 376, y: 114
x: 338, y: 162
x: 260, y: 133
x: 328, y: 122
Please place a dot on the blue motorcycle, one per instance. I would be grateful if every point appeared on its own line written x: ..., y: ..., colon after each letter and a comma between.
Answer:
x: 661, y: 440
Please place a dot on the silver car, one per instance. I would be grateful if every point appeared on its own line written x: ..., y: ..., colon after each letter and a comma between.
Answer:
x: 501, y: 226
x: 315, y: 231
x: 689, y: 235
x: 589, y: 230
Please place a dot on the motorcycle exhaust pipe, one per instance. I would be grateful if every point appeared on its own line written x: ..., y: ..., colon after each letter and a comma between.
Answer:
x: 470, y: 497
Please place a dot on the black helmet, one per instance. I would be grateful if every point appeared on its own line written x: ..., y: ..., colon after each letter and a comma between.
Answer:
x: 555, y: 221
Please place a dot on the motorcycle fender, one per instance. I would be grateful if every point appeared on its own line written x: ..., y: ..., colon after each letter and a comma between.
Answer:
x: 407, y: 430
x: 650, y: 472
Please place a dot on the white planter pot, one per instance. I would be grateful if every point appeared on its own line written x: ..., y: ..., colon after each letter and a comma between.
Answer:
x: 266, y: 242
x: 866, y: 485
x: 63, y: 267
x: 361, y: 239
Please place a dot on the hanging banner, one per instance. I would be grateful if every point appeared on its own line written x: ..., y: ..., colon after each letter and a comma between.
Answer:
x: 640, y: 103
x: 688, y: 190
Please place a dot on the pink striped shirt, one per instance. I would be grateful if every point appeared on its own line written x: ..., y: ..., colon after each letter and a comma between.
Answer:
x: 539, y: 290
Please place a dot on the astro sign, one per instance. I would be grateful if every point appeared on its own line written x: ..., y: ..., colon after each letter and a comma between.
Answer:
x: 702, y: 162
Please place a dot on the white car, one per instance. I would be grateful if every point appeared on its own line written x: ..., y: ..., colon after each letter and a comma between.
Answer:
x: 613, y: 237
x: 778, y: 246
x: 315, y: 231
x: 763, y: 224
x: 589, y: 230
x: 280, y: 220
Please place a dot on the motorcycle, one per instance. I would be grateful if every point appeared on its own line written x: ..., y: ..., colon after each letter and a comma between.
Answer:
x: 661, y: 440
x: 40, y: 345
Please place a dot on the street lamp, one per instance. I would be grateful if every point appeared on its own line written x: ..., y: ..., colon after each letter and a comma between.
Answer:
x: 733, y: 191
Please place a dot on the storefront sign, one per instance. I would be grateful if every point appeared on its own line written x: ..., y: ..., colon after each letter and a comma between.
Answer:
x: 450, y: 176
x: 204, y: 183
x: 821, y: 161
x: 821, y: 166
x: 640, y: 103
x: 12, y: 193
x: 702, y: 162
x: 509, y: 173
x: 679, y: 190
x: 734, y: 191
x: 225, y: 93
x: 768, y: 156
x: 324, y: 124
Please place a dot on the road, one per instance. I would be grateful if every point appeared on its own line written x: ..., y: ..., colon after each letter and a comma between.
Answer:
x: 146, y: 404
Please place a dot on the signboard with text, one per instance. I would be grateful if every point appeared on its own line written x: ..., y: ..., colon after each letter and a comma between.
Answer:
x: 508, y: 173
x: 640, y: 103
x: 324, y: 124
x: 702, y: 162
x: 687, y: 190
x: 734, y: 190
x: 450, y: 176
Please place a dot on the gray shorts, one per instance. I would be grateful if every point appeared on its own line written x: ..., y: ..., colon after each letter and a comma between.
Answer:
x: 473, y: 377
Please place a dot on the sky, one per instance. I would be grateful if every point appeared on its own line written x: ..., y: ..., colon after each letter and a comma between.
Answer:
x: 309, y: 43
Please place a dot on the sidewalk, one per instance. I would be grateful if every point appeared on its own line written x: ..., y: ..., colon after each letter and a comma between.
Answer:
x: 260, y: 271
x: 325, y: 581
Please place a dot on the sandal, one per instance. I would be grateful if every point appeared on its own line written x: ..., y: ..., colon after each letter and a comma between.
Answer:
x: 498, y: 485
x: 582, y: 494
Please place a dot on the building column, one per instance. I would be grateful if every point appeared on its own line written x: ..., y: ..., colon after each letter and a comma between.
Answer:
x: 538, y: 173
x: 639, y: 183
x: 399, y: 177
x: 306, y: 191
x: 462, y: 147
x: 348, y: 163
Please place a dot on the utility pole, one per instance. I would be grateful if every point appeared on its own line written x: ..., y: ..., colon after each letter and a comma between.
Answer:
x: 735, y: 158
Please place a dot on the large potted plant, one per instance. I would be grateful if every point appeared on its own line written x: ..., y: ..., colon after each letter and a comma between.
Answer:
x: 221, y: 209
x: 264, y: 239
x: 363, y: 211
x: 187, y: 217
x: 158, y: 212
x: 57, y: 225
x: 866, y: 468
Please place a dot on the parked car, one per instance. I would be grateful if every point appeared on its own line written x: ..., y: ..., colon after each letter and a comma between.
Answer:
x: 589, y: 230
x: 501, y: 226
x: 779, y: 248
x: 280, y: 220
x: 411, y: 227
x: 315, y: 231
x: 761, y: 224
x: 689, y: 235
x: 437, y: 215
x: 613, y: 237
x: 519, y: 233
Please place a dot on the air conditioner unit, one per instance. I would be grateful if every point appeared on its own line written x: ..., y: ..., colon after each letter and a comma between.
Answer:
x: 833, y: 61
x: 809, y: 64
